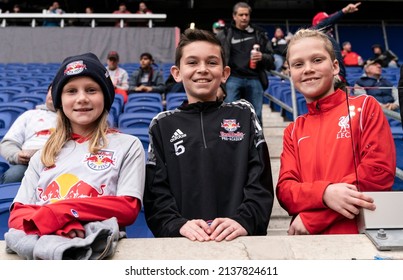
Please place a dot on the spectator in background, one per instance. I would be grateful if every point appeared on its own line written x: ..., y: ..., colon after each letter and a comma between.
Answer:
x: 279, y: 44
x: 16, y: 9
x: 146, y: 78
x: 385, y: 58
x: 53, y: 9
x: 350, y: 58
x: 323, y: 21
x: 119, y: 76
x: 372, y: 83
x: 88, y: 22
x: 122, y: 10
x: 285, y: 69
x: 15, y: 22
x: 238, y: 40
x: 27, y: 134
x: 143, y: 9
x: 218, y: 26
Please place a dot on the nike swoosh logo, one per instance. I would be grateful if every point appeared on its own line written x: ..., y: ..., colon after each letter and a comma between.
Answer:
x: 302, y: 138
x: 237, y: 41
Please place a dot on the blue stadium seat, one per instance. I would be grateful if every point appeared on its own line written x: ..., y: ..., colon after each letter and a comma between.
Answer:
x: 115, y: 111
x: 34, y: 98
x: 139, y: 132
x: 4, y: 165
x: 142, y: 107
x: 174, y: 96
x: 27, y: 84
x: 7, y: 194
x: 41, y: 89
x: 13, y: 89
x: 4, y: 96
x: 120, y: 99
x: 6, y: 119
x: 135, y: 120
x: 16, y: 108
x: 146, y: 96
x: 172, y: 105
x: 139, y: 228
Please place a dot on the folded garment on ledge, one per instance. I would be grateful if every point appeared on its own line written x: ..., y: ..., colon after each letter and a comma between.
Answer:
x: 101, y: 239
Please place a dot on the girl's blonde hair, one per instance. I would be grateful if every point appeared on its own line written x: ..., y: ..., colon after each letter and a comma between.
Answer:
x: 63, y: 132
x: 312, y: 33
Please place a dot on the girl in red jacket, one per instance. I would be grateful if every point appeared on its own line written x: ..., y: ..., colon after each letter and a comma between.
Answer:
x: 342, y: 147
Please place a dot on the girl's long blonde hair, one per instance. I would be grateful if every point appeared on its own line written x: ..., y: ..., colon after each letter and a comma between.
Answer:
x: 63, y: 132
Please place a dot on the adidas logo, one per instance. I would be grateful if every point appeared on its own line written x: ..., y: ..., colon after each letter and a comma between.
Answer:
x: 177, y: 135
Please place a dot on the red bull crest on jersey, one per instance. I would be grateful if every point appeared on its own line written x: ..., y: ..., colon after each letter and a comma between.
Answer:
x: 231, y: 126
x: 100, y: 161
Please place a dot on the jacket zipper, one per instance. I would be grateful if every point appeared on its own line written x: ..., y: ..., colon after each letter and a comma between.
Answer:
x: 202, y: 130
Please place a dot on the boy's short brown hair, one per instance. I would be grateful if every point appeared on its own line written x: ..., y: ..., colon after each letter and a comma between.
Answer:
x: 194, y: 35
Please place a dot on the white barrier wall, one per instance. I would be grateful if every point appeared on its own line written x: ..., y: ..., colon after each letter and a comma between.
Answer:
x: 53, y: 44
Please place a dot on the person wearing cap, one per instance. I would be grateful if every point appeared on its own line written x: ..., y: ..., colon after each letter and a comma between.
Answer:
x: 86, y: 172
x: 350, y: 58
x: 28, y: 133
x: 119, y: 76
x: 374, y: 84
x: 323, y: 21
x: 218, y: 26
x: 386, y: 58
x: 146, y: 78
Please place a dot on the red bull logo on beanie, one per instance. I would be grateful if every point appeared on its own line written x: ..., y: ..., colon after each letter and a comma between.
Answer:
x: 75, y: 68
x: 100, y: 161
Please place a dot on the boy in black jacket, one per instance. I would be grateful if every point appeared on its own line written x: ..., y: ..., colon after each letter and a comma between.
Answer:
x: 208, y: 170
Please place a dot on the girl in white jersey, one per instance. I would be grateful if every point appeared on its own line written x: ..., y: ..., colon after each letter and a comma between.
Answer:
x: 86, y: 172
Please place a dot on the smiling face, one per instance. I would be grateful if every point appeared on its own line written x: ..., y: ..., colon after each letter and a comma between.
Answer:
x: 312, y: 69
x: 82, y: 103
x: 201, y: 71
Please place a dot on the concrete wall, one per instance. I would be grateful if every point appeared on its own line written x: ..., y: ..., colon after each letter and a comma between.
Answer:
x: 53, y: 44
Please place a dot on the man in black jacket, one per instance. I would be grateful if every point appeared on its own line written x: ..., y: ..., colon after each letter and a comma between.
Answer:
x: 237, y: 41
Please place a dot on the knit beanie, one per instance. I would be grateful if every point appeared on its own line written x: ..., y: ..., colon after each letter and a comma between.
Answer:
x: 86, y: 64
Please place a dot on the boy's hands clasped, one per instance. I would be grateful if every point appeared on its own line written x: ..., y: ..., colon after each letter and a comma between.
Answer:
x: 219, y: 229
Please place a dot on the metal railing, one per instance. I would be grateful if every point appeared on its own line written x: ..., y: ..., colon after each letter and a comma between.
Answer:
x: 101, y: 17
x: 292, y: 109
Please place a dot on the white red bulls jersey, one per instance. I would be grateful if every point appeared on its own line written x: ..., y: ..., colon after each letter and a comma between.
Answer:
x: 118, y: 170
